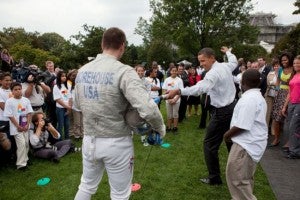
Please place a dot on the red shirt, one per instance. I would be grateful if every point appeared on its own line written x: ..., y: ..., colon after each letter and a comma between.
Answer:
x: 194, y: 79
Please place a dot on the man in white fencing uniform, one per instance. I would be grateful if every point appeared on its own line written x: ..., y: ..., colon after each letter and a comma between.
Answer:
x: 104, y: 89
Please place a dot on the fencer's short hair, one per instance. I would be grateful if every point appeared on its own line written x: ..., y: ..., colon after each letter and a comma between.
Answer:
x: 251, y: 78
x: 208, y: 52
x: 113, y: 38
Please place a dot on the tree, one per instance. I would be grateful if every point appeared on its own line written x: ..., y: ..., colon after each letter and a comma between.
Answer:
x: 89, y: 42
x: 297, y: 4
x: 51, y: 42
x: 159, y: 51
x: 10, y: 36
x: 194, y: 24
x: 290, y: 43
x: 32, y: 55
x: 249, y: 52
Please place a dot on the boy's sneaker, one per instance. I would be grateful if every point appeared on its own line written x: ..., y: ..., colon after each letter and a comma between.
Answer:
x: 168, y: 130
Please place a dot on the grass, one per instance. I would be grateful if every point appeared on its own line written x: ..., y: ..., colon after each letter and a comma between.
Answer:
x: 170, y: 174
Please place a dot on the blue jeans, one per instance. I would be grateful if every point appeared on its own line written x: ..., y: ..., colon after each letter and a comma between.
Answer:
x: 63, y: 122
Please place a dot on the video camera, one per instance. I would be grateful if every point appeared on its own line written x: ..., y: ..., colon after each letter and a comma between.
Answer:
x: 47, y: 121
x: 21, y: 75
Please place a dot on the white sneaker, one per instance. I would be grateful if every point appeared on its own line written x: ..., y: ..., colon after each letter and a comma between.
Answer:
x: 146, y: 144
x: 143, y: 138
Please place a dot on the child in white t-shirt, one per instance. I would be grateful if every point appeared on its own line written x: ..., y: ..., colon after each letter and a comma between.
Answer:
x: 140, y: 70
x: 171, y: 83
x: 62, y: 96
x: 5, y: 93
x: 18, y: 109
x: 249, y: 133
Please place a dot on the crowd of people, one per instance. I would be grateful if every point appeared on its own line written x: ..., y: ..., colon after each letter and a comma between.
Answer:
x: 245, y: 101
x: 35, y: 111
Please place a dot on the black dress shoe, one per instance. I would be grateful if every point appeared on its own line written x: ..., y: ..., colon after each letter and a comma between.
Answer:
x: 273, y: 145
x: 292, y: 156
x: 210, y: 181
x: 286, y: 149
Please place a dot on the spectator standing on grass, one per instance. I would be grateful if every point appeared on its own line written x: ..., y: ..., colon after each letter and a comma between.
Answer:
x: 271, y: 90
x: 62, y: 96
x: 140, y: 70
x: 104, y: 89
x: 264, y: 69
x: 35, y: 91
x: 183, y: 101
x: 194, y: 78
x: 5, y: 92
x: 218, y: 83
x: 18, y: 109
x: 49, y: 101
x: 249, y: 134
x: 291, y: 110
x: 154, y: 82
x: 285, y: 74
x: 172, y: 105
x: 77, y: 123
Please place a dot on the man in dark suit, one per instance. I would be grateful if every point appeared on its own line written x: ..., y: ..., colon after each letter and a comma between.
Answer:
x: 183, y: 103
x: 264, y: 71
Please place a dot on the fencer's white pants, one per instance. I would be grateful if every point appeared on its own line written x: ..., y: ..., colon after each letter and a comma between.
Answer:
x: 115, y: 155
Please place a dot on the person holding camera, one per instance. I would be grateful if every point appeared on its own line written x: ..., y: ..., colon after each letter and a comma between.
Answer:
x: 38, y: 137
x: 35, y: 90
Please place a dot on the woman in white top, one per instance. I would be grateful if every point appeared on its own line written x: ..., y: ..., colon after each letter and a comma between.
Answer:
x: 171, y: 83
x: 271, y: 89
x: 62, y: 95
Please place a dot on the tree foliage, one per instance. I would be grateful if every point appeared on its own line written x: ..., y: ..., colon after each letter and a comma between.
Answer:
x: 32, y: 55
x: 10, y: 36
x: 159, y: 51
x: 290, y: 43
x: 89, y: 42
x: 297, y: 4
x: 194, y: 24
x: 52, y: 42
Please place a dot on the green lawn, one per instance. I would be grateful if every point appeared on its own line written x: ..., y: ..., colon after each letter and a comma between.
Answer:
x: 170, y: 174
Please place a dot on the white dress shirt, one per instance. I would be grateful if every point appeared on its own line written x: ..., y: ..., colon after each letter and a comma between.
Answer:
x: 218, y: 82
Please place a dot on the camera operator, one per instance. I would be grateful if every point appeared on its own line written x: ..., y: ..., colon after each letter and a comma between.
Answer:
x: 35, y: 90
x: 38, y: 136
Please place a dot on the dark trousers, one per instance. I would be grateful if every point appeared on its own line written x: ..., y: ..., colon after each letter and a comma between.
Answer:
x: 204, y: 114
x: 51, y: 112
x: 8, y: 157
x: 218, y: 125
x: 182, y: 108
x: 63, y: 148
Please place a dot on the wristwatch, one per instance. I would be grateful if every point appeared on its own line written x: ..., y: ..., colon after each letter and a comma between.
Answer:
x: 179, y: 91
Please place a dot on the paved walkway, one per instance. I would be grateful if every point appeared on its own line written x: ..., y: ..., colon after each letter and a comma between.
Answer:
x: 283, y: 174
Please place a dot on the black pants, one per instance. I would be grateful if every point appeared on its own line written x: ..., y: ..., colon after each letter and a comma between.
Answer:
x: 218, y: 125
x: 182, y: 108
